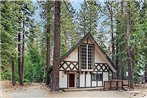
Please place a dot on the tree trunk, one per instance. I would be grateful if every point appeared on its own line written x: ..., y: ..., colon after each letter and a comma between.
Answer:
x: 129, y: 54
x: 56, y: 58
x: 22, y: 66
x: 145, y: 74
x: 47, y: 54
x: 118, y: 47
x: 121, y: 66
x: 19, y: 59
x: 117, y: 61
x: 13, y: 74
x: 109, y: 7
x: 112, y: 35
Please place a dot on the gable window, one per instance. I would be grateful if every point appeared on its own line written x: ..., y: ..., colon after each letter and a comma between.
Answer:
x: 86, y: 56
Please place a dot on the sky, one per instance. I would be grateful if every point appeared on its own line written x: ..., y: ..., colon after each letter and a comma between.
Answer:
x: 75, y: 3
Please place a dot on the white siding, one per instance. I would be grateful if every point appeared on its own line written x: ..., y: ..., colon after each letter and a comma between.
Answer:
x: 73, y: 56
x: 93, y: 83
x: 105, y: 76
x: 62, y: 80
x: 82, y: 80
x: 75, y: 80
x: 98, y: 58
x: 88, y: 80
x: 99, y: 83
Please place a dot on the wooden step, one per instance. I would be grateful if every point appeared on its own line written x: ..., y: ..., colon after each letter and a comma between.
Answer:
x: 83, y: 89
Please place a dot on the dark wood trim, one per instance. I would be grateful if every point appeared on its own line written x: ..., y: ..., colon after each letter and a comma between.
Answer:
x: 117, y: 85
x: 68, y: 67
x: 69, y: 70
x: 101, y: 67
x: 110, y: 85
x: 93, y: 57
x: 81, y: 71
x: 87, y: 44
x: 79, y: 62
x: 87, y: 40
x: 71, y: 61
x: 122, y: 84
x: 104, y: 86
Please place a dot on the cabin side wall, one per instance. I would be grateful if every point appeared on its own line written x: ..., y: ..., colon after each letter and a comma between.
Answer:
x: 63, y: 80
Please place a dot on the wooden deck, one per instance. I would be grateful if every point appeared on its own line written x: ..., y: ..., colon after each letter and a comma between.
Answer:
x: 116, y: 84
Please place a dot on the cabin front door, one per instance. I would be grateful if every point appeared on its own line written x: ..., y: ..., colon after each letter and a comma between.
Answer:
x: 71, y: 80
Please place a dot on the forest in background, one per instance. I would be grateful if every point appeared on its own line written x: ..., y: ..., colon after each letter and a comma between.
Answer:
x: 27, y: 47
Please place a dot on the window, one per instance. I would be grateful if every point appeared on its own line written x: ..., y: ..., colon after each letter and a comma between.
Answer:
x: 97, y: 77
x: 86, y: 51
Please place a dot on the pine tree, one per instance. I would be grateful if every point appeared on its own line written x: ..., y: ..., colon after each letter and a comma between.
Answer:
x: 110, y: 7
x: 129, y: 48
x: 56, y: 58
x: 25, y: 10
x: 68, y: 34
x: 8, y: 42
x: 87, y: 17
x: 47, y: 15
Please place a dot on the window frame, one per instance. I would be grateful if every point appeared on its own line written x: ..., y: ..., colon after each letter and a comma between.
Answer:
x: 89, y: 56
x: 97, y: 77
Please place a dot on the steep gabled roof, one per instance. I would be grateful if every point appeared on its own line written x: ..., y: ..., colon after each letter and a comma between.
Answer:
x: 88, y: 35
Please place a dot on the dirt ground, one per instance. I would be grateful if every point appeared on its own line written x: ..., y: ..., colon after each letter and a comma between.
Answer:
x: 36, y: 90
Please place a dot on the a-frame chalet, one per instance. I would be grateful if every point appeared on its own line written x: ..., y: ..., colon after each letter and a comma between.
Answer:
x: 85, y: 65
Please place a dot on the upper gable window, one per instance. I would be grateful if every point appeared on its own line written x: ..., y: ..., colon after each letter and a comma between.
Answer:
x: 86, y: 56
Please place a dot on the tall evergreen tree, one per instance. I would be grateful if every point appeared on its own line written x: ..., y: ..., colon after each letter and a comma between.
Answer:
x: 56, y: 58
x: 120, y: 41
x: 8, y: 42
x: 68, y: 34
x: 110, y: 7
x: 88, y: 16
x: 129, y: 48
x: 47, y: 16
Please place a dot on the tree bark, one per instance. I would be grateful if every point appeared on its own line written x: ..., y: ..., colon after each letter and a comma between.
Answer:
x: 56, y: 58
x: 47, y: 54
x: 117, y: 61
x: 145, y: 73
x: 119, y: 48
x: 13, y: 74
x: 112, y: 36
x: 109, y: 7
x: 121, y: 67
x: 129, y: 54
x: 22, y: 66
x: 19, y: 59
